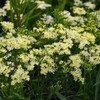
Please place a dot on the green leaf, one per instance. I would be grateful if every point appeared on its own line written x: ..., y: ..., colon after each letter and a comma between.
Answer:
x: 64, y: 4
x: 1, y: 98
x: 97, y: 87
x: 27, y: 16
x: 60, y: 96
x: 19, y: 96
x: 35, y: 15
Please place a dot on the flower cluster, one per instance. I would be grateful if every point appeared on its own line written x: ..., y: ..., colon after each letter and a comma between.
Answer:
x: 50, y: 47
x: 4, y: 69
x: 66, y: 39
x: 47, y: 65
x: 76, y: 63
x: 2, y: 12
x: 77, y: 2
x: 7, y: 25
x: 11, y: 42
x: 89, y: 5
x: 7, y: 5
x: 73, y: 20
x: 7, y: 64
x: 47, y: 19
x: 42, y: 5
x: 19, y: 75
x: 29, y: 60
x: 79, y: 11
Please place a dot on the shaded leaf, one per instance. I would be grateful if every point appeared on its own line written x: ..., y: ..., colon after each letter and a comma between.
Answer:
x: 60, y: 96
x: 97, y: 87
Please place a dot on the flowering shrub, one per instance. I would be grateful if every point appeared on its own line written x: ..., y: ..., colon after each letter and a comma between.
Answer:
x: 61, y: 46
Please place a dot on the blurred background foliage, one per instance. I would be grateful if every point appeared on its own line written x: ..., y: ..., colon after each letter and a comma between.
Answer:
x: 61, y: 4
x: 67, y: 4
x: 31, y: 13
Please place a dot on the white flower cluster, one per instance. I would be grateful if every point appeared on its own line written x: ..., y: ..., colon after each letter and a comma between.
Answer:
x: 8, y: 26
x: 47, y: 65
x: 90, y: 5
x: 65, y: 40
x: 78, y: 3
x: 79, y: 11
x: 73, y: 20
x: 8, y: 45
x: 47, y: 19
x: 50, y: 33
x: 19, y: 75
x: 94, y: 56
x: 4, y: 69
x: 2, y: 12
x: 42, y: 5
x: 66, y: 13
x: 7, y: 5
x: 11, y: 42
x: 76, y: 62
x: 29, y: 60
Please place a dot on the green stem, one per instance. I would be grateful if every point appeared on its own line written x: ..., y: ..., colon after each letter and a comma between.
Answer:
x: 9, y: 86
x: 60, y: 5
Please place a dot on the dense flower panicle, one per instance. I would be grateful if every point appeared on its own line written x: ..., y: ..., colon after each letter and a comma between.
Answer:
x: 29, y: 60
x: 78, y: 3
x: 4, y: 69
x: 78, y: 29
x: 86, y: 39
x: 42, y: 5
x: 50, y: 33
x: 68, y: 16
x: 89, y: 5
x: 2, y: 12
x: 74, y: 20
x: 94, y: 57
x: 10, y: 42
x: 38, y: 51
x: 77, y: 75
x: 79, y: 11
x: 76, y: 61
x: 19, y: 75
x: 47, y: 19
x: 7, y: 25
x: 57, y: 46
x: 7, y: 5
x: 66, y: 13
x: 79, y: 19
x: 47, y: 65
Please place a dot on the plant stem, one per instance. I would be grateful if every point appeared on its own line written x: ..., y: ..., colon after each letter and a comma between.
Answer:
x: 60, y: 5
